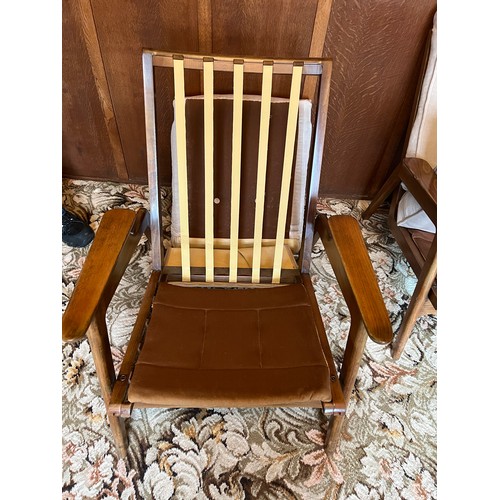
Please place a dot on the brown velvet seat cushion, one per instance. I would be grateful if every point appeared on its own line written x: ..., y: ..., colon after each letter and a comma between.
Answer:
x: 230, y: 347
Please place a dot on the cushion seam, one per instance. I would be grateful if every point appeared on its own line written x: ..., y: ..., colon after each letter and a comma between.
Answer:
x: 204, y: 337
x: 229, y: 369
x: 258, y: 337
x: 232, y: 309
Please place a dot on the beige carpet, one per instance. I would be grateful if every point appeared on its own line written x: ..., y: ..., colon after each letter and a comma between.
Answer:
x: 388, y: 449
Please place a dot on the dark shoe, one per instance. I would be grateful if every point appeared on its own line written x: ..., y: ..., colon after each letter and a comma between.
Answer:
x: 75, y: 232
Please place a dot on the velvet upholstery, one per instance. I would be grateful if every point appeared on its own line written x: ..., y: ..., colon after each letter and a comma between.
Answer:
x: 245, y: 347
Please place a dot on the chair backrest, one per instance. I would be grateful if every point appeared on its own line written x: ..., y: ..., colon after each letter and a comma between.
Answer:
x: 244, y: 175
x: 422, y: 138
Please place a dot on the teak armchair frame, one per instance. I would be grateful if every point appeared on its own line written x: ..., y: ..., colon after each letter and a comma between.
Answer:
x: 420, y: 180
x: 120, y: 230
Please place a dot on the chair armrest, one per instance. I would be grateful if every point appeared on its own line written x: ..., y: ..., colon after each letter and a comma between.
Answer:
x: 348, y: 255
x: 114, y: 243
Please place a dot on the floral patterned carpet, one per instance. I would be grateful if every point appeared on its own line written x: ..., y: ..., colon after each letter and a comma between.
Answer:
x: 388, y: 450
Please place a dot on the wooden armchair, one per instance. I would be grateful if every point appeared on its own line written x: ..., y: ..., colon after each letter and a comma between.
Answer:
x: 416, y: 177
x: 229, y: 317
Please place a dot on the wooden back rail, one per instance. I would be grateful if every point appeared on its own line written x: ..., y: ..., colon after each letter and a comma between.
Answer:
x: 297, y: 69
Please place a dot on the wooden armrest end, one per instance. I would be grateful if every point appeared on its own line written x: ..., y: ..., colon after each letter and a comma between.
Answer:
x: 114, y: 243
x: 348, y: 255
x: 421, y: 180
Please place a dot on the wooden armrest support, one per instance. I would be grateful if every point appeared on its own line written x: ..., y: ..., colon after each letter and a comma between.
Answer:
x: 421, y: 180
x: 346, y: 250
x: 114, y: 243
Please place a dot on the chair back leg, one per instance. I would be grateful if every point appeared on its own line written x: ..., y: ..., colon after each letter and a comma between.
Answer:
x: 389, y: 186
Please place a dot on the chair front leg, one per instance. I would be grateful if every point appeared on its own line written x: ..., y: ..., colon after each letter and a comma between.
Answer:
x: 97, y: 335
x: 355, y: 347
x: 418, y: 299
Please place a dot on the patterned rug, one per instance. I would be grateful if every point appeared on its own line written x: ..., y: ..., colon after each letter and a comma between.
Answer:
x: 388, y: 449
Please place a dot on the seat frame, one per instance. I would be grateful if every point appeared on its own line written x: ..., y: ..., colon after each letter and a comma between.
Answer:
x: 120, y: 230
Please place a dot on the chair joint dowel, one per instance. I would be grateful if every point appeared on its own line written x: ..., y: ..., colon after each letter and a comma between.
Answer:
x: 123, y: 410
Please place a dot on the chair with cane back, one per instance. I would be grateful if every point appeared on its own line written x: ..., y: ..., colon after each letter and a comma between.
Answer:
x: 229, y: 317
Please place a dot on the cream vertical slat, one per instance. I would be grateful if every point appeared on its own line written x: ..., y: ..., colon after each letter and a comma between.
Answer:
x: 265, y: 115
x: 208, y: 107
x: 291, y: 128
x: 180, y: 132
x: 236, y: 169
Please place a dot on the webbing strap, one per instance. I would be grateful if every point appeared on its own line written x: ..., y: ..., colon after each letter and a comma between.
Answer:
x: 291, y: 128
x: 208, y: 106
x: 265, y: 115
x: 236, y: 169
x: 180, y: 132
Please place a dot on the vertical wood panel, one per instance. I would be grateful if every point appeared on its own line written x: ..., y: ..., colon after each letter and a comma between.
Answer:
x: 101, y: 84
x: 86, y: 149
x: 375, y: 46
x: 321, y: 21
x: 124, y: 29
x: 281, y: 28
x: 205, y: 26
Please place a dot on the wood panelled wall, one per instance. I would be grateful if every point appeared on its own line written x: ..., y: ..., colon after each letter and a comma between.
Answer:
x: 376, y: 47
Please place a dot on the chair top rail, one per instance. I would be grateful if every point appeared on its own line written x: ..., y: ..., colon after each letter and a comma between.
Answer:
x: 225, y: 63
